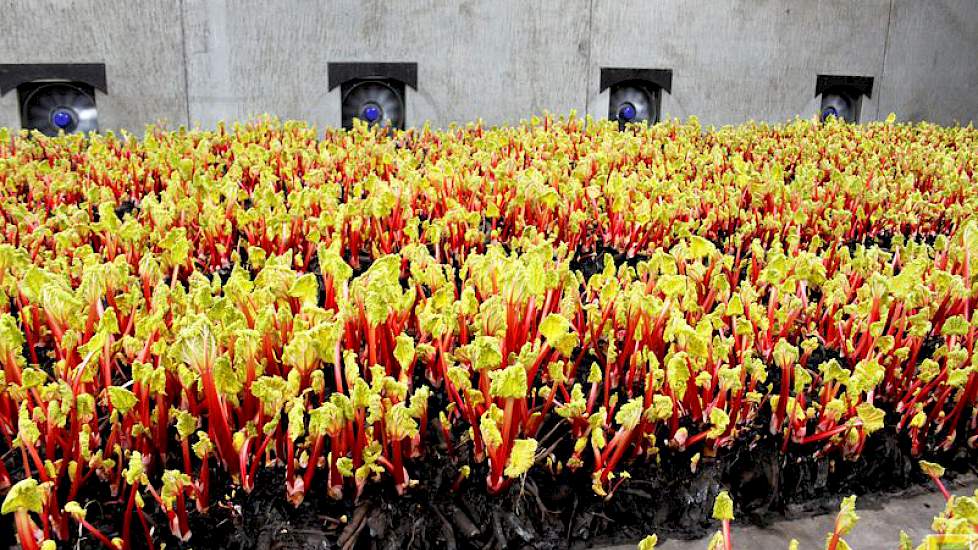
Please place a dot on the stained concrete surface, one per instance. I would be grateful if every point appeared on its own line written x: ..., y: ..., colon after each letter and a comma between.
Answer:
x: 498, y: 60
x: 201, y: 61
x: 921, y: 78
x: 878, y: 527
x: 748, y: 57
x: 140, y: 42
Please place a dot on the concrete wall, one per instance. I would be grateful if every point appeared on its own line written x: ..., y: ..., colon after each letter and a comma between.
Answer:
x: 140, y: 42
x: 931, y: 70
x: 200, y: 61
x: 493, y: 59
x: 751, y: 59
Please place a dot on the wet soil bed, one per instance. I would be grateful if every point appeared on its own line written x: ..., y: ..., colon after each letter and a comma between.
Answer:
x: 592, y: 262
x: 543, y: 510
x: 669, y: 497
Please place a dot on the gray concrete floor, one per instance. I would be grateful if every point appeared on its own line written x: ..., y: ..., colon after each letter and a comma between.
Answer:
x: 878, y: 529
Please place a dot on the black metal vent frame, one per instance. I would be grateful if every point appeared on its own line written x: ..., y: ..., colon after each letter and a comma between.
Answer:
x: 395, y: 85
x: 343, y: 72
x: 14, y: 75
x: 653, y: 92
x: 854, y: 85
x: 614, y: 76
x: 396, y: 76
x: 26, y: 89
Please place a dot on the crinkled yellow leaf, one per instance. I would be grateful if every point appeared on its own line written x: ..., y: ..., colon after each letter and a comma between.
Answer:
x: 24, y: 495
x: 508, y: 383
x: 932, y: 468
x: 122, y: 399
x: 723, y: 507
x: 629, y: 415
x: 648, y: 543
x: 521, y: 457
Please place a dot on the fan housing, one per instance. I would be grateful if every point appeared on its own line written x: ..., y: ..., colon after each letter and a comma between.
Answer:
x: 635, y: 95
x: 377, y: 102
x: 841, y: 96
x: 839, y: 104
x: 634, y: 102
x: 55, y: 97
x: 54, y: 107
x: 374, y: 93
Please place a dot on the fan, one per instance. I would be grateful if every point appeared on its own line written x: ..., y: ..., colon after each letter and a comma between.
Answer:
x: 632, y: 103
x: 59, y: 106
x: 375, y: 102
x: 838, y: 105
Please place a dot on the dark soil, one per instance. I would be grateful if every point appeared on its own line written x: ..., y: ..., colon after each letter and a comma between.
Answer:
x: 592, y: 262
x: 126, y: 207
x: 884, y: 240
x: 545, y: 510
x: 542, y: 511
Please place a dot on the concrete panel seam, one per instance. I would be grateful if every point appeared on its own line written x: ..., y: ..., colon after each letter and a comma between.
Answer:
x: 587, y: 66
x: 886, y: 46
x: 186, y: 63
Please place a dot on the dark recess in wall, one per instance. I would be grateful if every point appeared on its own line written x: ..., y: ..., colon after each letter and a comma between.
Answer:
x: 15, y: 74
x: 860, y: 84
x: 344, y: 72
x: 611, y: 76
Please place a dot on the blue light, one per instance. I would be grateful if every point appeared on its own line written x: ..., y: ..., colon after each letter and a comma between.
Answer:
x: 371, y: 113
x: 627, y: 112
x: 829, y: 111
x: 62, y: 118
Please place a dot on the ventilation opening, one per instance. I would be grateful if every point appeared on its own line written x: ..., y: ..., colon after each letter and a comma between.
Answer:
x: 635, y: 95
x: 374, y: 93
x: 634, y: 102
x: 377, y: 102
x: 54, y: 107
x: 841, y: 96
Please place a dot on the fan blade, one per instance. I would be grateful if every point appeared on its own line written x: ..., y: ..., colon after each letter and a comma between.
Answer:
x: 39, y: 112
x: 65, y: 98
x: 87, y: 120
x: 839, y: 105
x: 39, y: 118
x: 354, y: 99
x: 353, y: 103
x: 392, y: 106
x: 376, y: 93
x: 44, y: 101
x: 86, y: 116
x: 640, y: 99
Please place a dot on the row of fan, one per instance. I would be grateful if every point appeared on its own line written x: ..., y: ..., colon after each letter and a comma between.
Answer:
x: 53, y: 107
